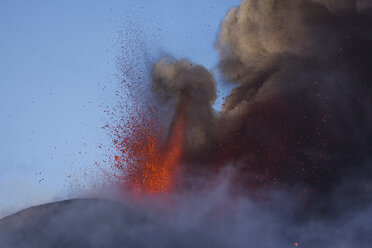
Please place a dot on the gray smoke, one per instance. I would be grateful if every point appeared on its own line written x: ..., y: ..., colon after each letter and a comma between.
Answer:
x: 299, y: 116
x: 300, y: 113
x: 192, y: 90
x: 212, y: 217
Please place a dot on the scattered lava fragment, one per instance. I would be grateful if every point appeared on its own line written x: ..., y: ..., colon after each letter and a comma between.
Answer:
x: 147, y: 156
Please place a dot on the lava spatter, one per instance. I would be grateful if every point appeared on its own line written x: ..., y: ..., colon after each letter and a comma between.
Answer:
x: 148, y: 157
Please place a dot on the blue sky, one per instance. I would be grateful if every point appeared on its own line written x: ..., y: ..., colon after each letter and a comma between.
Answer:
x: 57, y: 75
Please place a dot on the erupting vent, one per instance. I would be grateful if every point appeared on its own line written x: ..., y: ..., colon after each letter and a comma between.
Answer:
x: 148, y: 158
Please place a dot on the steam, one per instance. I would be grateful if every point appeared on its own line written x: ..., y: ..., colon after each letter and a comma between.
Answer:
x: 207, y: 218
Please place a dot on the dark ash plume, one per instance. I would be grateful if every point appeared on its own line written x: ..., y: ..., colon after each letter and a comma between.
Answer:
x: 300, y: 113
x: 192, y: 89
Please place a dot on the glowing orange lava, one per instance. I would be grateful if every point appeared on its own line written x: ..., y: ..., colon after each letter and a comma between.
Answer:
x: 150, y: 165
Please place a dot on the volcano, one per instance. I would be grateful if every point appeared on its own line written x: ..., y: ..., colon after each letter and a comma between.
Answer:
x: 286, y: 162
x: 88, y: 223
x: 68, y: 223
x: 209, y: 219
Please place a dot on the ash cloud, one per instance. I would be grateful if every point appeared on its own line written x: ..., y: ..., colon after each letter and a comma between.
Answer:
x: 192, y: 90
x: 300, y: 114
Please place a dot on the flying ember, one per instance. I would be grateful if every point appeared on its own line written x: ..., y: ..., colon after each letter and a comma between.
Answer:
x: 149, y: 157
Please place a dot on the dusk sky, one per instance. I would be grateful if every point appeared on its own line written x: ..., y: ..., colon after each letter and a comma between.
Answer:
x: 57, y: 75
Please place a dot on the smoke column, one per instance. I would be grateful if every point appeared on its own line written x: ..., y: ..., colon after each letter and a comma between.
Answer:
x: 295, y: 132
x: 300, y: 114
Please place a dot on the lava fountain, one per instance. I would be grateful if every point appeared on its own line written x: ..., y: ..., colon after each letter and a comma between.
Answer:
x: 148, y: 157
